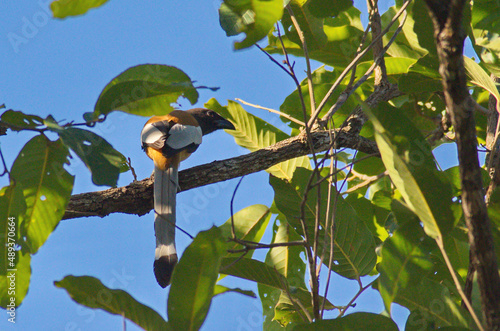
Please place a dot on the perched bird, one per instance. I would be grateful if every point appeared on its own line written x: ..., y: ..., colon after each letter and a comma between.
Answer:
x: 168, y: 140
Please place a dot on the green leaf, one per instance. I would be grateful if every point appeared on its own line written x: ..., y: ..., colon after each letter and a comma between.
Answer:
x: 254, y: 133
x: 354, y: 246
x: 405, y: 261
x: 486, y: 29
x: 371, y: 214
x: 220, y: 289
x: 406, y: 43
x: 434, y: 305
x: 193, y: 282
x: 253, y: 17
x: 395, y: 66
x: 39, y: 171
x: 287, y: 261
x: 327, y: 8
x: 343, y: 34
x: 250, y: 224
x: 65, y: 8
x: 253, y: 270
x: 479, y: 77
x: 310, y: 25
x: 14, y: 264
x: 285, y: 311
x: 352, y: 322
x: 408, y: 158
x: 18, y: 121
x: 146, y: 90
x: 104, y: 162
x: 423, y: 27
x: 90, y: 292
x: 422, y: 77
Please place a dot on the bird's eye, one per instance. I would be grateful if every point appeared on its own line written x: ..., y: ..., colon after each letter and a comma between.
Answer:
x: 211, y: 113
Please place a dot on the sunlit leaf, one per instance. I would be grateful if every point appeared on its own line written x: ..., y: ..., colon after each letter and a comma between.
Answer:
x: 343, y: 34
x: 15, y: 270
x: 250, y: 224
x: 65, y: 8
x: 193, y: 281
x: 90, y: 292
x: 480, y: 78
x: 39, y: 171
x: 254, y: 133
x: 253, y: 17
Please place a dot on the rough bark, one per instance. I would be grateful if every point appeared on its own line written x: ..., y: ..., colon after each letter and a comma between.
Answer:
x: 449, y: 37
x: 137, y: 198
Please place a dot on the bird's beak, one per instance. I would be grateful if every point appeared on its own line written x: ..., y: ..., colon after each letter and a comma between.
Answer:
x: 224, y: 124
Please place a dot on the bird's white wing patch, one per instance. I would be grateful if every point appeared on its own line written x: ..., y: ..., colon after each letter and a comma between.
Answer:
x: 150, y: 134
x: 184, y: 135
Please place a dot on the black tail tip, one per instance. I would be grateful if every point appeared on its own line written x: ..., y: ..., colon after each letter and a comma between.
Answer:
x: 163, y: 268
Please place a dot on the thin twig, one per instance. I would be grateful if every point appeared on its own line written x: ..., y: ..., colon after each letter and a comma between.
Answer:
x: 299, y: 307
x: 367, y: 74
x: 439, y: 241
x: 5, y: 169
x: 306, y: 56
x: 354, y: 63
x: 361, y: 290
x: 288, y: 117
x: 367, y: 182
x: 129, y: 162
x: 233, y: 231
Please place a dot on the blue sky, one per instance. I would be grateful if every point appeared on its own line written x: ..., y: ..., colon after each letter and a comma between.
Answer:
x: 60, y: 68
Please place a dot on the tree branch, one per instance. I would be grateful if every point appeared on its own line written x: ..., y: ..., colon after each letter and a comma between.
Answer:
x: 449, y: 36
x: 137, y: 197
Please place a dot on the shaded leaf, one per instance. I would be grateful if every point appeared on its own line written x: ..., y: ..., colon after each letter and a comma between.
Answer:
x: 146, y: 90
x: 408, y: 158
x: 434, y: 306
x: 90, y: 292
x: 65, y: 8
x: 327, y: 8
x: 252, y: 270
x: 17, y: 120
x: 220, y: 289
x: 352, y: 322
x: 104, y: 162
x: 39, y: 171
x: 354, y: 247
x: 405, y: 261
x: 287, y: 261
x: 286, y: 312
x: 193, y: 281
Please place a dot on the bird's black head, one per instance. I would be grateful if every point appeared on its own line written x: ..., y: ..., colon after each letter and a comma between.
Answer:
x: 209, y: 120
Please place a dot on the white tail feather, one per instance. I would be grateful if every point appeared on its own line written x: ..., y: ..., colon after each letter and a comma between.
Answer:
x: 165, y: 190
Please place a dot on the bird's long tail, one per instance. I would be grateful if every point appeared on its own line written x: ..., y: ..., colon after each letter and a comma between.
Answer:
x: 165, y: 190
